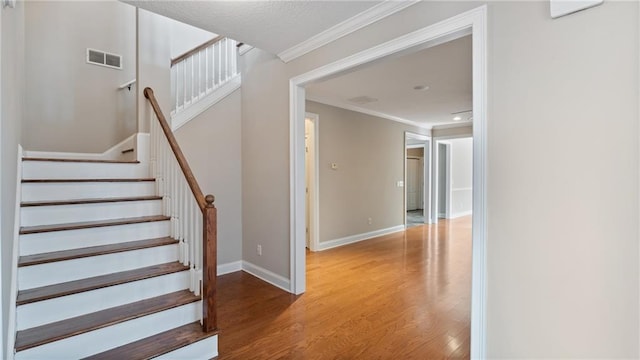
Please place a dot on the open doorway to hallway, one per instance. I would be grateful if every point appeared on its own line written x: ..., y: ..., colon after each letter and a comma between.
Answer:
x: 368, y: 192
x: 417, y: 179
x: 447, y: 31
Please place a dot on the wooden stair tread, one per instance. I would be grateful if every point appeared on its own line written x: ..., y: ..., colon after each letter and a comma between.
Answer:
x: 93, y: 251
x: 73, y: 287
x: 89, y: 201
x: 157, y: 345
x: 82, y: 160
x: 28, y: 338
x: 26, y: 181
x: 90, y: 224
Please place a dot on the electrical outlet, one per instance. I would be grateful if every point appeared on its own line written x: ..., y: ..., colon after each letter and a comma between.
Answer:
x: 369, y: 221
x: 259, y: 250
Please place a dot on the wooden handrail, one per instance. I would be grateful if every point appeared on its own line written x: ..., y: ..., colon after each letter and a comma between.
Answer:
x: 196, y: 49
x: 182, y: 161
x: 209, y: 223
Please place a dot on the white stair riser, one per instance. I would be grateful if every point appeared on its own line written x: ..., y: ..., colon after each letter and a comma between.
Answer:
x: 70, y: 270
x: 77, y: 170
x: 88, y: 190
x: 109, y: 337
x: 60, y: 214
x: 48, y: 311
x: 203, y: 349
x: 74, y: 239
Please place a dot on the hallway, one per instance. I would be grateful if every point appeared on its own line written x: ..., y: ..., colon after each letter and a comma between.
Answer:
x: 404, y: 295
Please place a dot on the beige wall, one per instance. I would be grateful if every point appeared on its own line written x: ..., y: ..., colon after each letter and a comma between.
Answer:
x: 12, y: 109
x: 211, y: 143
x: 154, y: 64
x: 75, y: 106
x: 369, y: 152
x: 562, y: 246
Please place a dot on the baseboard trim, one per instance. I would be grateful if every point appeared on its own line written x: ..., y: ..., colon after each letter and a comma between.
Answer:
x: 113, y: 153
x: 325, y: 245
x: 228, y: 268
x: 266, y: 275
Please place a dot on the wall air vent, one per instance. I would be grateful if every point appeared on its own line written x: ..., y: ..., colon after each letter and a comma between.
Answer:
x: 98, y: 57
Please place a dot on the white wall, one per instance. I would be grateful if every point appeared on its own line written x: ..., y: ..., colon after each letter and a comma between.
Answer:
x: 211, y: 144
x: 369, y: 152
x: 461, y: 177
x: 562, y: 279
x: 12, y: 74
x: 185, y: 37
x: 75, y: 106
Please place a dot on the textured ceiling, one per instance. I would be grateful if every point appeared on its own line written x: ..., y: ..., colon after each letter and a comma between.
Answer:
x: 273, y: 26
x: 445, y: 69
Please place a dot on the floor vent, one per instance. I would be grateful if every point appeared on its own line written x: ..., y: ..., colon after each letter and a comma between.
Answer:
x: 98, y: 57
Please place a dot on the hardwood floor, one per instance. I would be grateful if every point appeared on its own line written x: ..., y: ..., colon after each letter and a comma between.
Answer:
x: 400, y: 296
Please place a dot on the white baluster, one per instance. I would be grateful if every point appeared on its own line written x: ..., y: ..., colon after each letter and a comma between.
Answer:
x: 184, y: 83
x: 219, y: 64
x: 234, y: 59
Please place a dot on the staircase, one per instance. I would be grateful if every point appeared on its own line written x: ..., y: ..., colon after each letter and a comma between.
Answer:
x: 99, y: 274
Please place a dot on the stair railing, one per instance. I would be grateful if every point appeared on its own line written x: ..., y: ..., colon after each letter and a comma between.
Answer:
x: 201, y: 70
x: 193, y: 216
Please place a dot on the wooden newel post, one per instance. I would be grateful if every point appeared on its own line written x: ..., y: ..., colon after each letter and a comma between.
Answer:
x: 209, y: 265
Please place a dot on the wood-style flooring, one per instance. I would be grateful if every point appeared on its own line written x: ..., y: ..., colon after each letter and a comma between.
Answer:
x: 400, y: 296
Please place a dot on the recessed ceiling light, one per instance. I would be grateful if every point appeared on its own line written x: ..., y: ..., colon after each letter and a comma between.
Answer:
x: 457, y: 118
x: 421, y: 88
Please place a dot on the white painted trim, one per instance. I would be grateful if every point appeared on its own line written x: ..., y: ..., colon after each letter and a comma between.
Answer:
x: 266, y: 275
x: 198, y: 107
x: 346, y: 106
x: 461, y: 189
x: 471, y: 21
x: 229, y: 268
x: 244, y: 48
x: 142, y: 150
x: 325, y: 245
x: 112, y: 153
x: 315, y: 191
x: 458, y: 124
x: 365, y: 18
x: 13, y: 291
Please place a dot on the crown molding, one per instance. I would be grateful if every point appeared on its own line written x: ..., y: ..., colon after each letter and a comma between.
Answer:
x: 367, y: 17
x: 379, y: 114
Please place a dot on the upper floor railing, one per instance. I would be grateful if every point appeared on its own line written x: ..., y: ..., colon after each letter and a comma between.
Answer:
x: 202, y: 70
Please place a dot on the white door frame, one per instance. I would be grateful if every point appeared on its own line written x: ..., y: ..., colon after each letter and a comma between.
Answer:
x: 435, y: 206
x: 470, y: 22
x: 314, y: 191
x: 426, y: 190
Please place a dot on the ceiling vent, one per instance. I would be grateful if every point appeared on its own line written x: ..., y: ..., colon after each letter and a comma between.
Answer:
x: 362, y: 100
x: 98, y: 57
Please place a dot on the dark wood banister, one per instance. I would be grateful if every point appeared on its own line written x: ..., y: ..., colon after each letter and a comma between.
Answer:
x: 209, y: 223
x: 196, y: 49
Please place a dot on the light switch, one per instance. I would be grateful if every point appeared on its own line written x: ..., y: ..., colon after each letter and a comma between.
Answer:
x: 400, y: 183
x: 334, y: 166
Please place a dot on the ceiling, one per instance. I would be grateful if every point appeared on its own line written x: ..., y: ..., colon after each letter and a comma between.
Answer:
x: 274, y: 26
x: 445, y: 69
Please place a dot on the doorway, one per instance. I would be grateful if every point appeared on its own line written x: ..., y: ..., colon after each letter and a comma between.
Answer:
x: 417, y: 179
x: 311, y: 180
x: 471, y: 22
